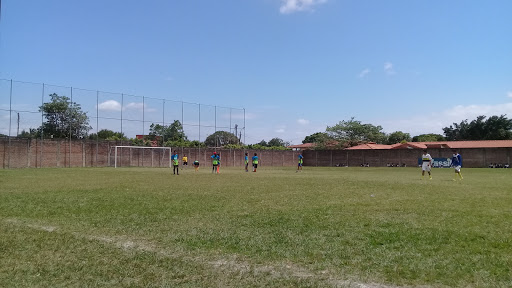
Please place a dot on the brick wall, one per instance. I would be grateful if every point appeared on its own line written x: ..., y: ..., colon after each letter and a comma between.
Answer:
x: 32, y: 153
x: 479, y: 157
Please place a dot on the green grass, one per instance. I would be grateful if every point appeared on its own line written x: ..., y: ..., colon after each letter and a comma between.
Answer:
x: 324, y: 227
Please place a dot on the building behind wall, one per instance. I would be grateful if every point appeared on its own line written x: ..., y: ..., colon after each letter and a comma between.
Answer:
x: 474, y: 153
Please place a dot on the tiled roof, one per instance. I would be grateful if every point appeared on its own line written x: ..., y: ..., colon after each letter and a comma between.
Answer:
x: 481, y: 144
x: 440, y: 144
x: 303, y: 146
x: 370, y: 145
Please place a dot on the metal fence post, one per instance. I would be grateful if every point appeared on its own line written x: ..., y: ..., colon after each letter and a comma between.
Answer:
x: 122, y: 105
x: 97, y: 126
x: 42, y: 130
x: 70, y: 128
x: 10, y: 120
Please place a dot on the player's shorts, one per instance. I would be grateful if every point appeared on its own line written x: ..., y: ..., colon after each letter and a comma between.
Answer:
x: 255, y: 165
x: 457, y: 168
x: 425, y: 166
x: 300, y: 164
x: 185, y: 163
x: 215, y: 165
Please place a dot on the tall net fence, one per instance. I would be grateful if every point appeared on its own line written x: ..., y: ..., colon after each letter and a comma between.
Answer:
x: 132, y: 115
x: 21, y: 116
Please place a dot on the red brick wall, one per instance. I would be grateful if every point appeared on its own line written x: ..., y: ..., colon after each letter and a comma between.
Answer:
x: 479, y: 157
x: 27, y: 153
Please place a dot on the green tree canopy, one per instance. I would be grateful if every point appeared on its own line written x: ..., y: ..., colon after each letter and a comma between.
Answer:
x: 31, y: 133
x: 173, y: 132
x: 262, y: 143
x: 221, y: 138
x: 64, y: 119
x: 428, y: 138
x: 277, y: 142
x: 318, y: 137
x: 107, y: 134
x: 494, y: 128
x: 354, y: 131
x: 398, y: 136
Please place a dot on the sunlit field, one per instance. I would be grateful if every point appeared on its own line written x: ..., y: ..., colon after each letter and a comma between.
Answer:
x: 323, y: 227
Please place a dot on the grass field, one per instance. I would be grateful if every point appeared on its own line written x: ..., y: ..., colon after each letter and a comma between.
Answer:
x: 324, y: 227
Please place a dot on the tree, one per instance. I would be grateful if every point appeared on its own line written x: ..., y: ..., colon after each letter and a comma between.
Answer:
x: 31, y: 133
x: 106, y: 134
x: 353, y: 131
x: 494, y: 128
x: 398, y: 136
x: 316, y: 138
x: 428, y: 138
x: 64, y: 119
x: 498, y: 128
x: 221, y: 138
x: 263, y: 143
x: 277, y: 142
x: 173, y: 132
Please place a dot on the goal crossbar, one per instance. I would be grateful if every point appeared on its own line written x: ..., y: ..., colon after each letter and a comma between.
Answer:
x: 141, y: 147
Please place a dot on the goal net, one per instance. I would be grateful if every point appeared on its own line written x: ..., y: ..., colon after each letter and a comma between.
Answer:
x: 140, y: 156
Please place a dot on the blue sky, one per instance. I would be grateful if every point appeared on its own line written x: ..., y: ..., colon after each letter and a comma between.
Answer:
x: 296, y: 66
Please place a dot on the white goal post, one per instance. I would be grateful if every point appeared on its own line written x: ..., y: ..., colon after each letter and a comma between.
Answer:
x: 144, y: 147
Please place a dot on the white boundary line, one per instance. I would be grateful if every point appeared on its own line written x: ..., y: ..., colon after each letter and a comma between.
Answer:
x: 234, y: 264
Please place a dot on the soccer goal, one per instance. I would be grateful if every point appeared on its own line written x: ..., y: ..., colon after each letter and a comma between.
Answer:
x: 142, y: 156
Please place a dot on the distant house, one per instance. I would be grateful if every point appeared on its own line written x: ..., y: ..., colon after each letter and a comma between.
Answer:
x: 305, y: 146
x: 309, y: 146
x: 436, y: 145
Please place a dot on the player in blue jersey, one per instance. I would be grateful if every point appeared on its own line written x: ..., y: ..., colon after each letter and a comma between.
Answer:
x: 246, y: 160
x: 255, y: 161
x: 299, y: 165
x: 175, y: 163
x: 457, y: 164
x: 215, y: 162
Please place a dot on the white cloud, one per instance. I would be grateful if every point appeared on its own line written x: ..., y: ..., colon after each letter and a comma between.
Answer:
x: 436, y: 121
x: 364, y: 73
x: 303, y: 121
x: 388, y: 68
x: 113, y: 105
x: 134, y: 105
x: 509, y: 94
x: 110, y: 105
x: 292, y: 6
x: 280, y: 129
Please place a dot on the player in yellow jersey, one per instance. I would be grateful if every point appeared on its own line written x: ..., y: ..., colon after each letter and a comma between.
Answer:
x: 185, y: 160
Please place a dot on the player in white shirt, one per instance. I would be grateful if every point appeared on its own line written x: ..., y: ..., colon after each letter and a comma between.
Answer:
x: 426, y: 164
